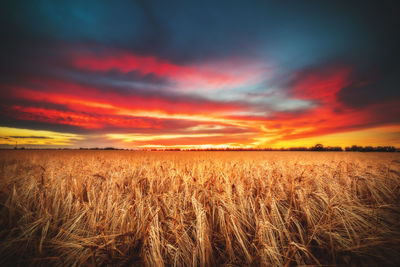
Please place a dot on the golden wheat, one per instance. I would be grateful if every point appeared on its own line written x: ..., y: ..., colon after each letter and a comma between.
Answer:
x: 199, y: 208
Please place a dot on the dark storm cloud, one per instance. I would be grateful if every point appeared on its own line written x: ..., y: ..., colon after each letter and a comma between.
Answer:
x: 372, y: 90
x: 186, y: 31
x: 376, y: 74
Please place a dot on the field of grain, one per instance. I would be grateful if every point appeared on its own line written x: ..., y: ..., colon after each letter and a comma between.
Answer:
x: 199, y: 208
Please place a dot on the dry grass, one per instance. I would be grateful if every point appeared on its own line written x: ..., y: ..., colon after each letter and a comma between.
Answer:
x: 199, y: 208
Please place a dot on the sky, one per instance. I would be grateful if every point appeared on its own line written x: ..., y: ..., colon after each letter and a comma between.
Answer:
x: 199, y: 74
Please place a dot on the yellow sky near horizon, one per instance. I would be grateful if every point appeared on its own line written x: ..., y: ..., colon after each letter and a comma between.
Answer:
x: 378, y: 136
x: 26, y: 137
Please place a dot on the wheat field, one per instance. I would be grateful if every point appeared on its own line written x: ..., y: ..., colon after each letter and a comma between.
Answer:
x: 127, y: 208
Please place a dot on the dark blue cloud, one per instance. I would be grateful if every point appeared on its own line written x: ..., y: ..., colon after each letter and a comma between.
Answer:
x: 188, y: 30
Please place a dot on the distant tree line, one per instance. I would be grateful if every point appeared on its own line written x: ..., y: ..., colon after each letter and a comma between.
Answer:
x: 372, y: 149
x: 317, y: 147
x: 100, y: 148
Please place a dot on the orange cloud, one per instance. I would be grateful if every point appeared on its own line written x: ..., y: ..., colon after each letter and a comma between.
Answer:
x: 166, y: 120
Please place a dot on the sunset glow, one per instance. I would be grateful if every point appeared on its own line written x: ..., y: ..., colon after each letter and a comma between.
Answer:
x: 107, y: 78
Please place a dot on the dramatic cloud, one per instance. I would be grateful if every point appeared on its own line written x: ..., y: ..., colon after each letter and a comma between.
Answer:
x: 204, y: 76
x: 168, y: 74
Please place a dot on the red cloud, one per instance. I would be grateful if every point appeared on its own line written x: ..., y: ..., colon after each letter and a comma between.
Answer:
x: 93, y: 108
x: 90, y: 99
x: 329, y: 115
x: 206, y: 76
x: 80, y: 119
x: 322, y: 86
